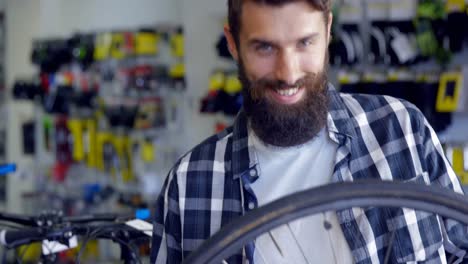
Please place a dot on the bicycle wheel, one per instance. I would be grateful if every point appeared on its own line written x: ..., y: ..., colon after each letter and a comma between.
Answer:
x: 332, y: 197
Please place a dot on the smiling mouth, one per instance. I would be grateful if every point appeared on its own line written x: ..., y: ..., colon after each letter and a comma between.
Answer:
x: 288, y: 92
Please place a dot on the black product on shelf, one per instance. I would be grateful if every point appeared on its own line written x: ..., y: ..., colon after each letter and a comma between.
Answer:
x: 59, y: 101
x: 222, y: 48
x: 82, y: 49
x: 121, y: 116
x: 424, y: 96
x: 230, y: 103
x: 26, y: 90
x: 209, y: 104
x: 347, y: 47
x: 28, y: 138
x: 378, y: 44
x: 455, y: 31
x: 159, y: 77
x: 354, y: 45
x: 222, y: 101
x: 133, y: 200
x: 51, y: 55
x: 85, y: 99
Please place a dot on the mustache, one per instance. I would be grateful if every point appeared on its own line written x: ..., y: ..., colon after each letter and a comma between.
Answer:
x: 259, y: 87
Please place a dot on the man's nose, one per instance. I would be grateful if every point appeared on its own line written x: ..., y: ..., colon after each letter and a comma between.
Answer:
x: 287, y: 68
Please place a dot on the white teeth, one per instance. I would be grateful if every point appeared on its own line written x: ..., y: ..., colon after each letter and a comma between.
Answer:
x: 288, y: 92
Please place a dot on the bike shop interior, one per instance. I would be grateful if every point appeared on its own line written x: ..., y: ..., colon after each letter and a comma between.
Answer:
x: 100, y: 98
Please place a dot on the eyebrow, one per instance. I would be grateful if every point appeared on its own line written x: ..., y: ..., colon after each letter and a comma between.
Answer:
x: 257, y: 41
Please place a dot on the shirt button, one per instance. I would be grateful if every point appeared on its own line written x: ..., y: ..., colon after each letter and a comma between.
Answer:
x: 251, y: 205
x: 253, y: 172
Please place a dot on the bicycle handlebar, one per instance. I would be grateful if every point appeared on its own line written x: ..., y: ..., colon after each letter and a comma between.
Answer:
x: 97, y: 218
x: 37, y: 221
x: 11, y: 238
x: 18, y: 219
x: 15, y: 238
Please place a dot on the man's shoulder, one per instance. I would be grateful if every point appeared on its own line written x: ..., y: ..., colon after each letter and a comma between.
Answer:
x: 206, y: 151
x: 362, y: 107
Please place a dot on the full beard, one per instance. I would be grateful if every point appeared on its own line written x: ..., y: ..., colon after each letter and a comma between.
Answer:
x: 286, y: 125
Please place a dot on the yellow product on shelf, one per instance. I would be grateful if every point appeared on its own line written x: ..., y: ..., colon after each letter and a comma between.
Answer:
x: 148, y: 152
x: 217, y: 81
x: 117, y: 50
x: 345, y: 77
x: 455, y: 5
x: 449, y: 91
x: 91, y: 142
x: 122, y: 144
x: 459, y: 164
x: 458, y: 156
x: 102, y: 46
x: 146, y: 43
x: 177, y: 71
x: 233, y: 85
x: 177, y: 45
x: 76, y: 127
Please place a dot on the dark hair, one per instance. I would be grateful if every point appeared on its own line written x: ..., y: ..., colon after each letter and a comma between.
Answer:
x: 235, y: 11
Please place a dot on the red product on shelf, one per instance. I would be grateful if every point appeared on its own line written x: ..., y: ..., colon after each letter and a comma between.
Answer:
x: 62, y: 149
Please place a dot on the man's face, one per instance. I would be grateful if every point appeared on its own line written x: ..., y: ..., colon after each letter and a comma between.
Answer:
x: 282, y: 56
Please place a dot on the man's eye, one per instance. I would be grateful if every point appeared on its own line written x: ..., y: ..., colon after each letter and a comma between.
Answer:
x: 305, y: 42
x: 264, y: 48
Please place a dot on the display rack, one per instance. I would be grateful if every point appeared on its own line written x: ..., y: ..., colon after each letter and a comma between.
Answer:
x: 440, y: 79
x: 107, y: 117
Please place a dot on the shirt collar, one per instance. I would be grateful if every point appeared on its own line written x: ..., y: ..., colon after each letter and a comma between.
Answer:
x: 339, y: 126
x: 339, y: 121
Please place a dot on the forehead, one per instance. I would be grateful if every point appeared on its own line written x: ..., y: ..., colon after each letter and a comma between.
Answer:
x: 280, y: 22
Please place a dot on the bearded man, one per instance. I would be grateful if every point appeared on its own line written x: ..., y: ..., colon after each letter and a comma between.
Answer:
x: 296, y: 131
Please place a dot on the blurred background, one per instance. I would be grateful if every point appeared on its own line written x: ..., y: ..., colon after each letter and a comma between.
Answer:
x: 98, y: 98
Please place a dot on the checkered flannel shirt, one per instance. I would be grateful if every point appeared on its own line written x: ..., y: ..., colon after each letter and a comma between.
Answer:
x: 377, y: 136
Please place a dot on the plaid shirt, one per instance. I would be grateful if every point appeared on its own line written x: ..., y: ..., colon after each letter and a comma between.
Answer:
x: 377, y: 136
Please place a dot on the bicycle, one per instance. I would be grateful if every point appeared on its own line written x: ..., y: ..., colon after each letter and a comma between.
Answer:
x: 58, y: 233
x: 330, y: 197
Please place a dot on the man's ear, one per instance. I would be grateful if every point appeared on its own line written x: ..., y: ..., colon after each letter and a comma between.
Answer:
x: 231, y: 43
x: 329, y: 27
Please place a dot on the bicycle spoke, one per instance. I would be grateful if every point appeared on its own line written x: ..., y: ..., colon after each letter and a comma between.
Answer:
x: 276, y: 243
x: 389, y: 247
x: 298, y: 244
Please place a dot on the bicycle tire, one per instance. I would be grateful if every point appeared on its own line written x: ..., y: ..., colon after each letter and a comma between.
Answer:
x: 331, y: 197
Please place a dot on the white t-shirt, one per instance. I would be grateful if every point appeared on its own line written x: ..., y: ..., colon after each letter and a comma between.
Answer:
x: 284, y: 171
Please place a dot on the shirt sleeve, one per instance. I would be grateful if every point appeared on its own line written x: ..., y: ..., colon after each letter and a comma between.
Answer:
x: 440, y: 171
x: 166, y: 242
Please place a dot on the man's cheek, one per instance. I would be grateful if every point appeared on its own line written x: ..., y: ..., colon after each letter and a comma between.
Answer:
x: 258, y: 69
x: 313, y: 64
